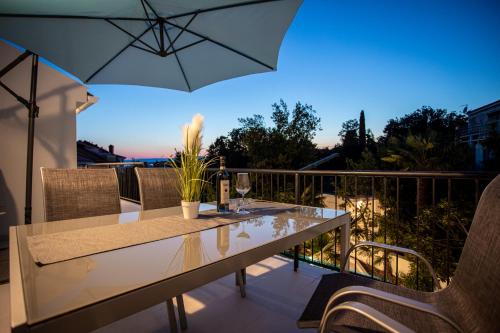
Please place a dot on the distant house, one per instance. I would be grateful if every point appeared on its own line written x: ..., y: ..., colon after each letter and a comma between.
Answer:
x: 88, y: 152
x: 481, y: 123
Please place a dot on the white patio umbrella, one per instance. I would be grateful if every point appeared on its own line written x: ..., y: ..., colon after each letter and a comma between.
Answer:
x: 176, y: 44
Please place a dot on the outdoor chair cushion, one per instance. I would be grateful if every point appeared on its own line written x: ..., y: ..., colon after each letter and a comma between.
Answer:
x: 353, y: 322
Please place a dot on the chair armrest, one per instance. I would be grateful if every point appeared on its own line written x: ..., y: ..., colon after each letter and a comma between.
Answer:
x: 392, y: 248
x: 368, y: 312
x: 389, y: 297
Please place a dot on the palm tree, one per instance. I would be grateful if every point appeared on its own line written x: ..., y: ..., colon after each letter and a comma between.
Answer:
x: 416, y: 154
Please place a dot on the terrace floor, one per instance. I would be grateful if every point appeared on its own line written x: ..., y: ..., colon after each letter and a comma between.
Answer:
x: 275, y: 299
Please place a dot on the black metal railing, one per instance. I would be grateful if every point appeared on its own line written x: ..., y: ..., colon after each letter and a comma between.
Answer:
x: 429, y: 212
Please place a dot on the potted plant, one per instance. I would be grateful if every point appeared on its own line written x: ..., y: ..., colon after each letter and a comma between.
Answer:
x: 191, y: 168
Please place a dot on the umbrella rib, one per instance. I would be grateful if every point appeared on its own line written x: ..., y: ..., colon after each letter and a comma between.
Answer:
x: 234, y: 5
x: 15, y: 62
x: 195, y: 13
x: 223, y: 46
x: 7, y: 69
x: 178, y: 61
x: 171, y: 43
x: 185, y: 47
x: 144, y: 49
x: 16, y: 96
x: 120, y: 52
x: 149, y: 20
x: 180, y: 32
x: 152, y: 9
x: 131, y: 35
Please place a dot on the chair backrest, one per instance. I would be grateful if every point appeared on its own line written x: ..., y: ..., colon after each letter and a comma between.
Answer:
x: 158, y: 188
x: 473, y: 296
x: 76, y: 193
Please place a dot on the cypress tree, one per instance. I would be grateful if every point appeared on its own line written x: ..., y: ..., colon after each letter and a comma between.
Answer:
x: 362, y: 131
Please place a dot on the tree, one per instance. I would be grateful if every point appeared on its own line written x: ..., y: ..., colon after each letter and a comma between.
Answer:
x: 231, y: 148
x: 286, y: 144
x: 349, y: 132
x: 362, y: 131
x: 424, y: 120
x: 425, y: 140
x: 349, y: 139
x: 416, y: 153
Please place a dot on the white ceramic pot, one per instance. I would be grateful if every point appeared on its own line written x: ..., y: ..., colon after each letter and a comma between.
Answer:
x: 190, y: 209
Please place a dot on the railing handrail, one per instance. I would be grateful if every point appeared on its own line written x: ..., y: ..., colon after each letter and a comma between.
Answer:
x: 370, y: 173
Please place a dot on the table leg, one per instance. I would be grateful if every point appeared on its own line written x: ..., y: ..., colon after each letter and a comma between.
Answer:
x: 171, y: 316
x: 345, y: 236
x: 182, y: 312
x: 295, y: 258
x: 244, y: 276
x: 239, y: 278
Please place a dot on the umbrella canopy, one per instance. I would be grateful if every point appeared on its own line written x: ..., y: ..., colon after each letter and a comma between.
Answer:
x: 177, y: 44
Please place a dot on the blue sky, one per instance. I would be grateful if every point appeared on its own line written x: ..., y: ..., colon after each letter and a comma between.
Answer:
x: 386, y: 57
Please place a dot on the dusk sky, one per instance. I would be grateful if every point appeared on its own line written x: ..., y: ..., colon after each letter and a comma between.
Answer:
x: 385, y: 57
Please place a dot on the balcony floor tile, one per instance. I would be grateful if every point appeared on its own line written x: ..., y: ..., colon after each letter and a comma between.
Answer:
x: 275, y: 299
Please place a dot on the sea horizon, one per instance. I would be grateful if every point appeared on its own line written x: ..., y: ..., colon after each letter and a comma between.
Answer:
x: 148, y: 160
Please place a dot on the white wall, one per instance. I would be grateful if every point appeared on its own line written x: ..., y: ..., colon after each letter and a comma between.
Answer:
x: 55, y: 133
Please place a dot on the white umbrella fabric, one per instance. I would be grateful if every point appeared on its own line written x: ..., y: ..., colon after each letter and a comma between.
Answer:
x: 175, y: 44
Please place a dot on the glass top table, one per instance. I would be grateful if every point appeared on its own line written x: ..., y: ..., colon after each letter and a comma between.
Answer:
x: 88, y: 292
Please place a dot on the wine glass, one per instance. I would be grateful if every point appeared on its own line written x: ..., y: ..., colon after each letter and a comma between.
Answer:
x: 242, y: 187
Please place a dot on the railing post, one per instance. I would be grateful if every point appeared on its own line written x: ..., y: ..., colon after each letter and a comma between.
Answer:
x: 297, y: 188
x: 296, y: 248
x: 345, y: 240
x: 296, y: 258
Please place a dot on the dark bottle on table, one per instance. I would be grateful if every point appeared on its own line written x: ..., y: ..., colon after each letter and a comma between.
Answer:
x: 223, y: 187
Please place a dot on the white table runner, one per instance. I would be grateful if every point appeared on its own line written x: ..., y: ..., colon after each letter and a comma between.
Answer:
x: 55, y: 247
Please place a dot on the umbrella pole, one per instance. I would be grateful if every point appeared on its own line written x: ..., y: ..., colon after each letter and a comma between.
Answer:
x: 33, y: 113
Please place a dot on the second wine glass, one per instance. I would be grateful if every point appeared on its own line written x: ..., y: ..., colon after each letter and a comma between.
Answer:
x: 242, y: 187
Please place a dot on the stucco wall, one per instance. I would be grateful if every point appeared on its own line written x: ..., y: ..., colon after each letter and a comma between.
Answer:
x: 55, y: 133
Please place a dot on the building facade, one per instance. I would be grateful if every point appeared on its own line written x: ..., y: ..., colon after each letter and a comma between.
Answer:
x: 59, y: 99
x: 482, y: 123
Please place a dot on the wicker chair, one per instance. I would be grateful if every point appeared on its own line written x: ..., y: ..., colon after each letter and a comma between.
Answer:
x: 158, y: 189
x: 76, y: 193
x: 470, y: 303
